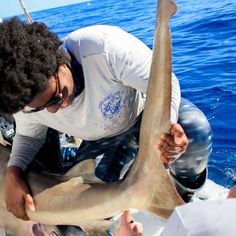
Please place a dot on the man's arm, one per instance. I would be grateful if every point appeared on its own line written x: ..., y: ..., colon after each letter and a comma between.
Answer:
x: 23, y: 152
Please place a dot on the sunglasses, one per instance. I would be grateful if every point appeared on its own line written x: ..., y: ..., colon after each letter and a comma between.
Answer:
x: 56, y: 100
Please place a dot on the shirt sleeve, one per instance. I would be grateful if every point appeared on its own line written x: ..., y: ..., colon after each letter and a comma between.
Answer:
x: 29, y: 138
x: 24, y: 150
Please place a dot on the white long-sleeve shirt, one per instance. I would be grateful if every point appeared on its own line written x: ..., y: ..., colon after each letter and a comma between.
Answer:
x: 116, y: 68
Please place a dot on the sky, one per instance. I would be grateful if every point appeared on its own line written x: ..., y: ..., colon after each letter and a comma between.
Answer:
x: 13, y: 7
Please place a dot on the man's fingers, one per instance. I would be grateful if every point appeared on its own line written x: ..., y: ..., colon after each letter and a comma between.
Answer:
x: 124, y: 218
x: 176, y: 129
x: 172, y: 140
x: 169, y: 157
x: 137, y: 228
x: 167, y: 160
x: 178, y: 134
x: 19, y: 212
x: 170, y: 150
x: 172, y: 145
x: 29, y: 202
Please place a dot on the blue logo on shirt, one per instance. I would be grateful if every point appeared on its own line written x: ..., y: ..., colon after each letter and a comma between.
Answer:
x: 111, y: 105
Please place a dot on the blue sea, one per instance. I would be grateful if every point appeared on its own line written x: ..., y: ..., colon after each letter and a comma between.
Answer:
x: 204, y: 57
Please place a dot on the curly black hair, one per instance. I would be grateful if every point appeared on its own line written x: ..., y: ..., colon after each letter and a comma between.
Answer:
x: 29, y: 55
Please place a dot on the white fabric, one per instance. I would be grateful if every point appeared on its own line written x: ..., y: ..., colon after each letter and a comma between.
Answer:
x: 205, y: 218
x: 116, y: 68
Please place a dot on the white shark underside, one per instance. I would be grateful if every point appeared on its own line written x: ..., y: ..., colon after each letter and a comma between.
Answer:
x: 147, y: 185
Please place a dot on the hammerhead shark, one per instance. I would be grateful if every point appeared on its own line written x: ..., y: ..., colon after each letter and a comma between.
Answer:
x: 71, y: 200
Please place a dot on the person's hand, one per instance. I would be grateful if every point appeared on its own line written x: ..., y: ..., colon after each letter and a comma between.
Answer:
x: 129, y: 227
x: 172, y: 145
x: 232, y: 192
x: 17, y: 194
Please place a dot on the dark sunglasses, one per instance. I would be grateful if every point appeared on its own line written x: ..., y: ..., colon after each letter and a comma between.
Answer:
x: 56, y: 101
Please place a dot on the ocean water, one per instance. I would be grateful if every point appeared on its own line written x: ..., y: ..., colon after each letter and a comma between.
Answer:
x: 204, y: 57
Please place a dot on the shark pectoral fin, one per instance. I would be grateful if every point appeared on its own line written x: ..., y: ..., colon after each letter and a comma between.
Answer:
x: 85, y: 170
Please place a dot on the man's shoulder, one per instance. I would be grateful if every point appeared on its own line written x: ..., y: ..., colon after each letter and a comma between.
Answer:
x: 94, y: 39
x: 96, y: 31
x: 93, y: 34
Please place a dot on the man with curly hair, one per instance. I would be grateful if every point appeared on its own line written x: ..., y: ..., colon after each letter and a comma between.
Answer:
x: 92, y: 86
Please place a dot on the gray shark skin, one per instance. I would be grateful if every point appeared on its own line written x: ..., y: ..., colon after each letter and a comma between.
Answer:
x: 147, y: 185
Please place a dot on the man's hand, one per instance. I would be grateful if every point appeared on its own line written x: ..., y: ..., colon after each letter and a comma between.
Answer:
x: 172, y: 145
x: 129, y: 227
x: 17, y: 194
